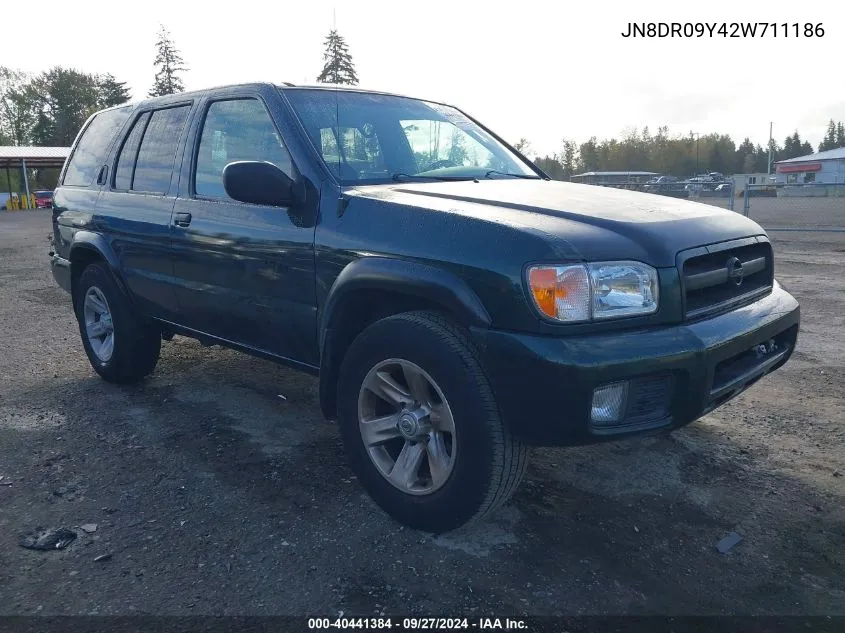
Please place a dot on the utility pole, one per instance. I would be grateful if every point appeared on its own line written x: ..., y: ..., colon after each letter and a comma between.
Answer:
x: 769, y: 166
x: 697, y: 137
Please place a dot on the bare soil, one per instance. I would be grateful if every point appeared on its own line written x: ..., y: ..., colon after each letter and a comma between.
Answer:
x: 213, y: 495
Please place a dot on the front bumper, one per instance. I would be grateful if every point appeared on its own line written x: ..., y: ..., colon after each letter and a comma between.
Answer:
x: 544, y: 385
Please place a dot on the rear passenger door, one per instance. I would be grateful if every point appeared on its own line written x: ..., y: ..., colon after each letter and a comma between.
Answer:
x: 245, y: 271
x: 135, y: 209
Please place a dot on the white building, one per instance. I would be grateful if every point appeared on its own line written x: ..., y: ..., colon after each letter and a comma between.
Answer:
x: 819, y: 174
x: 741, y: 180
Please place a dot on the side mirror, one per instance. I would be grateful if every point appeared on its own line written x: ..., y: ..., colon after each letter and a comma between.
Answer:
x: 258, y: 182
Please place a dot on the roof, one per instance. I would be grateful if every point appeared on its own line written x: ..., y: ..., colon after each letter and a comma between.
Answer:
x: 831, y: 154
x: 617, y: 173
x: 14, y: 155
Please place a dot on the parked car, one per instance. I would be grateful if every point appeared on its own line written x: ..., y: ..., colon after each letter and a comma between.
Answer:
x: 457, y: 306
x: 662, y: 180
x: 664, y: 185
x: 43, y: 199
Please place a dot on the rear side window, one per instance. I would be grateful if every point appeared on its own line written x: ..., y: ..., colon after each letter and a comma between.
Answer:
x: 90, y: 152
x: 126, y: 160
x: 154, y: 164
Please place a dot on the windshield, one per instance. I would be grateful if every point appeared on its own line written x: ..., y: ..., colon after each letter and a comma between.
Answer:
x: 369, y: 138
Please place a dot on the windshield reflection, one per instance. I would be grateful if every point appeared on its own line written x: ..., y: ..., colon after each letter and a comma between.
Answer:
x: 367, y: 138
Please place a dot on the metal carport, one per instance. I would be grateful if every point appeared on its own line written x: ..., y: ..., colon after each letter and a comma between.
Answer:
x: 20, y: 157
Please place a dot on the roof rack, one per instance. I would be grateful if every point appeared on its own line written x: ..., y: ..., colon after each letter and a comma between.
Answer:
x: 288, y: 84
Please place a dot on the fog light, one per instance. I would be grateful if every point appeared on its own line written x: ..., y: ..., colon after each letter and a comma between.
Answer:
x: 609, y: 402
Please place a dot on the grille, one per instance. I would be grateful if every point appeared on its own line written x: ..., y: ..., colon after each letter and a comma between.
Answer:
x: 721, y: 277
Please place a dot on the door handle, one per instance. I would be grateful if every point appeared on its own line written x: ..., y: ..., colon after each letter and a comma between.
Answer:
x: 181, y: 219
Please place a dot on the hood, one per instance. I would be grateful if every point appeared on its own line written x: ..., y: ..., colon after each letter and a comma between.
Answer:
x: 596, y: 223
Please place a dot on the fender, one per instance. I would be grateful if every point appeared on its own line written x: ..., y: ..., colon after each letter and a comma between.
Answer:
x: 90, y: 241
x: 404, y: 277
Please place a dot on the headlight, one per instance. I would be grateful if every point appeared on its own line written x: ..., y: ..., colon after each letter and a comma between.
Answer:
x: 601, y: 290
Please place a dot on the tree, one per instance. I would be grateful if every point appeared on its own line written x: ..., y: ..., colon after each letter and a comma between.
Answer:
x: 112, y: 92
x: 457, y: 149
x: 523, y: 146
x: 66, y: 97
x: 169, y: 63
x: 337, y: 62
x: 840, y: 135
x: 551, y: 166
x: 829, y: 140
x: 18, y: 107
x: 744, y: 157
x: 588, y: 156
x: 568, y: 158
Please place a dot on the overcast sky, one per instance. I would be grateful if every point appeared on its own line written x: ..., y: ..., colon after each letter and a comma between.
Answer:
x: 540, y: 70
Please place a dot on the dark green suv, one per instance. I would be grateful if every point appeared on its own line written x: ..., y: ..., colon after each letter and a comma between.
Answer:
x: 456, y: 304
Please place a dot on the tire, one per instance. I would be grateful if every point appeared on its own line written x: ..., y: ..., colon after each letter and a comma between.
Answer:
x: 135, y: 346
x: 485, y: 462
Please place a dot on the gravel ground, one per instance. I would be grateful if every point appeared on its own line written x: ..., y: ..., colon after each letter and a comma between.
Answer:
x: 213, y: 495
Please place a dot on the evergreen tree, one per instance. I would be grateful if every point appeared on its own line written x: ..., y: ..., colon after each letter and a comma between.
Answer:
x: 829, y: 141
x: 551, y: 165
x: 112, y: 91
x: 744, y: 157
x: 840, y: 135
x: 568, y: 158
x: 337, y: 62
x: 588, y: 156
x: 169, y: 63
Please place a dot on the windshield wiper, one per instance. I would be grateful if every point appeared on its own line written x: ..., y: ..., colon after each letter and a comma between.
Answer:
x: 399, y: 176
x: 504, y: 173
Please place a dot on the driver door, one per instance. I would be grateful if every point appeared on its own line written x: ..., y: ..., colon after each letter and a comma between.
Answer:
x: 245, y: 272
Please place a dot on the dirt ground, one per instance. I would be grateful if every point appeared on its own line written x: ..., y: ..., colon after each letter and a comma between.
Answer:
x: 213, y: 495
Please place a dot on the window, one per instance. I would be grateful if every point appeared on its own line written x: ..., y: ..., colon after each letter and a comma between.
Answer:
x: 375, y: 138
x: 810, y: 177
x: 791, y: 179
x: 126, y: 160
x: 752, y: 180
x: 90, y: 152
x: 158, y: 150
x: 235, y: 130
x: 439, y: 144
x: 359, y: 148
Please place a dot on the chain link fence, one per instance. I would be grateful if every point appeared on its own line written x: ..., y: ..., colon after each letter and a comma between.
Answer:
x: 719, y: 193
x: 776, y: 207
x: 795, y: 207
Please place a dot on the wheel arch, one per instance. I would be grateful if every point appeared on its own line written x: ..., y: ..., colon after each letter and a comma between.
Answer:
x: 373, y: 288
x: 87, y: 248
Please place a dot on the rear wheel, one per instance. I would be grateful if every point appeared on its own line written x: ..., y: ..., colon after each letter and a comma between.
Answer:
x: 421, y: 426
x: 120, y: 346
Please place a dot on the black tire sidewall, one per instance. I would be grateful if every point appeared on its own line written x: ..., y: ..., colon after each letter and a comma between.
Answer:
x: 465, y: 388
x: 125, y: 326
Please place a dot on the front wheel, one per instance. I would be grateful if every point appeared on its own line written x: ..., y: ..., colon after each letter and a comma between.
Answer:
x: 421, y: 426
